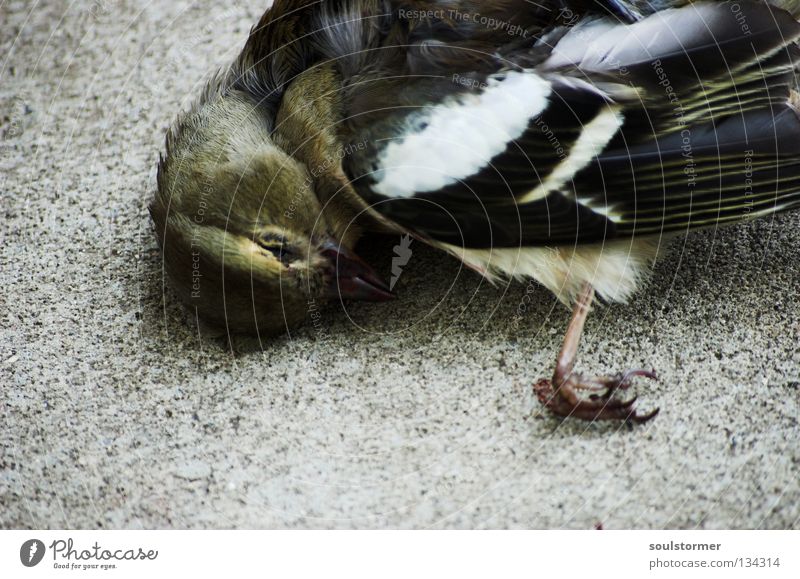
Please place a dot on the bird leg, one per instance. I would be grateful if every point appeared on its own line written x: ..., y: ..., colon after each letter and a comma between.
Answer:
x: 560, y: 394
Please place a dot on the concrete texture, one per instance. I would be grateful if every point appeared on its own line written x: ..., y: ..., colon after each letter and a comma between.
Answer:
x: 419, y: 413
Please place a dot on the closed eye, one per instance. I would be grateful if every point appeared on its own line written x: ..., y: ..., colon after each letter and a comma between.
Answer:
x: 276, y: 245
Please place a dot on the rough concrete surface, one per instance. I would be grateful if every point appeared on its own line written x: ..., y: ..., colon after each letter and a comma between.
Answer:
x: 415, y: 414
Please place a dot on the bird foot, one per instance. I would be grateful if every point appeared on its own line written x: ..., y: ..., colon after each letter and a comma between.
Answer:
x: 602, y: 404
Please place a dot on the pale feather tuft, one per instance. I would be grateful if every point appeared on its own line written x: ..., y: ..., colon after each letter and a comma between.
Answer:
x: 616, y: 269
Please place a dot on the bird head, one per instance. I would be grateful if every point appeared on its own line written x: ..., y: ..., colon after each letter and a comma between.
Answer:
x: 245, y: 240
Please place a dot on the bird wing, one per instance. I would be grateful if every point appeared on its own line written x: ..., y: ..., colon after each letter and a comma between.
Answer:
x: 600, y: 130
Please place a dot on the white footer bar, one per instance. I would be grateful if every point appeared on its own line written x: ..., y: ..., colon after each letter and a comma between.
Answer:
x: 401, y: 554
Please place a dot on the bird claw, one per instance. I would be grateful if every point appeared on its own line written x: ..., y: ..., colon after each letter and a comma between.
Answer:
x: 617, y: 382
x: 599, y: 406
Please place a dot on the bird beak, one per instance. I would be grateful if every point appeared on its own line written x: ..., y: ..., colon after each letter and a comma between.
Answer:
x: 354, y: 279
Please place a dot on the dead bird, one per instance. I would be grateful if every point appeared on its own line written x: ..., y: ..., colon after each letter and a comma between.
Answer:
x: 564, y: 142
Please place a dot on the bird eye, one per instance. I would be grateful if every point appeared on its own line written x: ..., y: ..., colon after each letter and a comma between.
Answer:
x: 277, y: 245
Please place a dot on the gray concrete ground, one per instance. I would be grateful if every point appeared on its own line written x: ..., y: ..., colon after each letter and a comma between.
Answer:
x: 414, y: 414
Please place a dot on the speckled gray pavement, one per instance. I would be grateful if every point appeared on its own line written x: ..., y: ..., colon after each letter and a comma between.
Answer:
x: 414, y: 414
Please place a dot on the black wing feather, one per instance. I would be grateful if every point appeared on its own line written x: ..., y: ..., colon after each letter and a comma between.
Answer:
x: 721, y: 145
